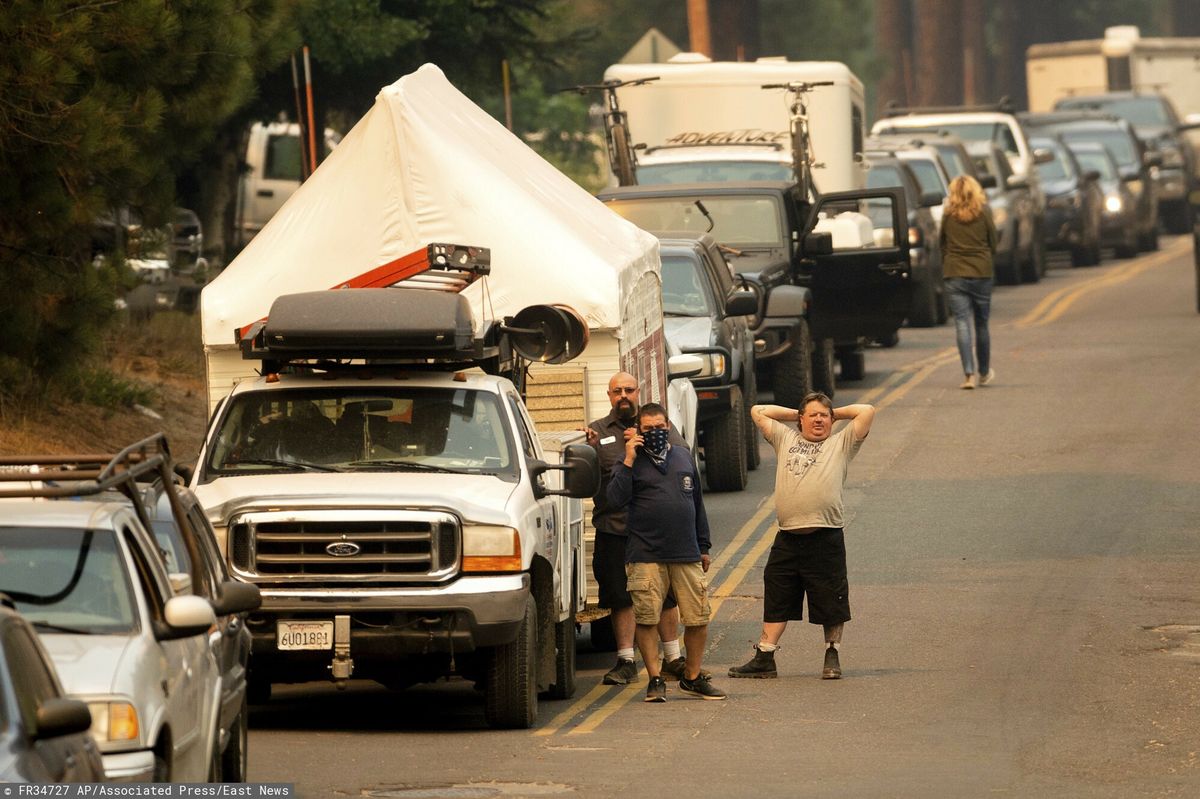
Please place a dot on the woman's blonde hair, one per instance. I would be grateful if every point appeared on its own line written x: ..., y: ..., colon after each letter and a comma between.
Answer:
x: 966, y: 199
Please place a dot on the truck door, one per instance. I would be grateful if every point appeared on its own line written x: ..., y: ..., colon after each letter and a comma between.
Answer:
x: 863, y: 287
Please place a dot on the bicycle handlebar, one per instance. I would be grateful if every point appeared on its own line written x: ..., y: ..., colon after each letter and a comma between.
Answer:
x: 798, y: 85
x: 609, y: 85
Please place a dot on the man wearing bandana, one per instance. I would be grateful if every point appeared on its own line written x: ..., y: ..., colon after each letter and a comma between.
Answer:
x: 608, y: 436
x: 667, y: 547
x: 808, y: 556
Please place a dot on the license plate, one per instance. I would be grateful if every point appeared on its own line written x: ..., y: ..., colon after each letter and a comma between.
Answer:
x: 292, y: 635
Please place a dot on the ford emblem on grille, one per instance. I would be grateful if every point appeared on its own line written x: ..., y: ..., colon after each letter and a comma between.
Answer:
x: 343, y: 549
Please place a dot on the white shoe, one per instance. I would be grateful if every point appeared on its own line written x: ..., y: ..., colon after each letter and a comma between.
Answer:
x: 988, y: 378
x: 969, y: 382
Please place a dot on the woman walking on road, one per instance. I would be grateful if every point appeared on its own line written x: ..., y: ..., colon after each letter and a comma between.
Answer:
x: 968, y: 242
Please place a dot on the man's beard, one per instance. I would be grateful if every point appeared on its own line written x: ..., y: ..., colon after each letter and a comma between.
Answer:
x: 626, y: 410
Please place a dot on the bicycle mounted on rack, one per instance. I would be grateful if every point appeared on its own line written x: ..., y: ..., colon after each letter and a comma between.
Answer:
x: 803, y: 159
x: 621, y: 155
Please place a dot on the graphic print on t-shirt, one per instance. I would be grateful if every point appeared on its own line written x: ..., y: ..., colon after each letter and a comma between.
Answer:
x: 802, y: 455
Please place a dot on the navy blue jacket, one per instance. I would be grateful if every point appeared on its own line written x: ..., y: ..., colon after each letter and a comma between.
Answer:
x: 666, y: 522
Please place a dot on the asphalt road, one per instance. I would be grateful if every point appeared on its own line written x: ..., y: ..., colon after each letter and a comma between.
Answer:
x: 1025, y: 582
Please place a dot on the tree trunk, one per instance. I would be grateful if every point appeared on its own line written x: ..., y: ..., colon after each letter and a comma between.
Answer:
x: 975, y: 57
x: 893, y: 38
x: 736, y: 23
x: 699, y: 32
x: 939, y: 55
x: 1184, y: 18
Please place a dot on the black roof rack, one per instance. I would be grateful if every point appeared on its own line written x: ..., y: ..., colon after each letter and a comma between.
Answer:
x: 1036, y: 119
x: 1003, y: 105
x: 34, y: 476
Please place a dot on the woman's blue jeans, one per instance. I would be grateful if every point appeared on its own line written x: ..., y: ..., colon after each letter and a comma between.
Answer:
x: 970, y: 301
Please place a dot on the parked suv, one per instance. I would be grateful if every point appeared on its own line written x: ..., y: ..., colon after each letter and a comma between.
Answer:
x: 825, y: 285
x: 1130, y: 154
x: 705, y: 314
x: 1013, y: 210
x: 1157, y: 124
x: 1073, y: 203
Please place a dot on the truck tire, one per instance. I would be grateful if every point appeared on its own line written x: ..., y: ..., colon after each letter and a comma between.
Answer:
x: 1034, y: 266
x: 233, y: 759
x: 1148, y: 242
x: 791, y: 372
x: 725, y: 447
x: 924, y: 309
x: 1177, y: 217
x: 854, y: 364
x: 823, y: 368
x: 564, y: 654
x: 750, y: 399
x: 511, y: 689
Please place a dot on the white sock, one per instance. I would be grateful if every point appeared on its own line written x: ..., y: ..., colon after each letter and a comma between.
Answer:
x: 625, y: 654
x: 670, y: 650
x: 763, y: 646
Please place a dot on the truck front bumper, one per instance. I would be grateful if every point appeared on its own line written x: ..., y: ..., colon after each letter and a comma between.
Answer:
x: 462, y: 616
x: 129, y: 766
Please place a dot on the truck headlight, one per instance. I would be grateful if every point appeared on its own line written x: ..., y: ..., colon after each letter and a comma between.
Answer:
x: 114, y: 721
x: 714, y: 364
x: 491, y: 548
x: 1112, y: 204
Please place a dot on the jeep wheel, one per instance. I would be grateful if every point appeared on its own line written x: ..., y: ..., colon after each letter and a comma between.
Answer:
x: 1034, y: 266
x: 749, y: 400
x: 822, y: 368
x: 791, y: 372
x: 725, y: 447
x: 1177, y: 217
x: 854, y: 364
x: 564, y: 653
x: 510, y: 690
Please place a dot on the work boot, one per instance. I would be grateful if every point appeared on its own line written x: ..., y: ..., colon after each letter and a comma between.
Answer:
x: 833, y: 668
x: 762, y: 665
x: 621, y: 674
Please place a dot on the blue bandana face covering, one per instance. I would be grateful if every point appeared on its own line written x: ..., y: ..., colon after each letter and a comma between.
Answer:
x: 655, y: 441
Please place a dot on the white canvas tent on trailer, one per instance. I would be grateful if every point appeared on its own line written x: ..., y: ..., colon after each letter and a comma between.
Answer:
x: 427, y: 165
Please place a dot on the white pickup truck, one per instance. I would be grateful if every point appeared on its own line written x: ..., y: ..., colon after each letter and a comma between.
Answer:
x: 396, y: 507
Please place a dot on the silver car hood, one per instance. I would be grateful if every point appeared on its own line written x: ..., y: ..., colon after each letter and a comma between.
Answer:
x: 688, y: 331
x: 480, y: 498
x: 92, y: 665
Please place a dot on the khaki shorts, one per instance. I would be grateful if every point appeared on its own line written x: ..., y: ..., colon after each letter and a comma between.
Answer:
x: 648, y: 585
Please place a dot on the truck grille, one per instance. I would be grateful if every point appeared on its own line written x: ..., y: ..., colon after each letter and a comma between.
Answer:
x: 345, y: 546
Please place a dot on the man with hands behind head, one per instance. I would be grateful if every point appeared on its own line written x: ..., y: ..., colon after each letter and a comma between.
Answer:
x: 667, y: 547
x: 809, y: 553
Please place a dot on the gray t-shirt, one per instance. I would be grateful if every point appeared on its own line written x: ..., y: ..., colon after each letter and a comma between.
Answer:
x: 809, y: 476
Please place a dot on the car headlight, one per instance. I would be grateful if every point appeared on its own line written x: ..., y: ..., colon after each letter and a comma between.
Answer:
x: 1135, y: 188
x: 1112, y: 203
x: 714, y: 364
x: 491, y: 548
x: 114, y: 721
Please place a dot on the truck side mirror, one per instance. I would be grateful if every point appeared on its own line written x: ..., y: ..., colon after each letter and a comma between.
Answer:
x: 987, y: 181
x: 236, y: 597
x: 581, y: 473
x: 818, y: 243
x: 931, y: 199
x: 741, y: 303
x: 1042, y: 156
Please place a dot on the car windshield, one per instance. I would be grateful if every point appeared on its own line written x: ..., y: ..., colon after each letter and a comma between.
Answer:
x: 1057, y: 169
x: 67, y: 579
x: 928, y: 178
x: 712, y: 172
x: 1097, y: 161
x: 1148, y: 111
x: 744, y: 219
x: 683, y: 287
x: 1116, y: 140
x: 331, y: 430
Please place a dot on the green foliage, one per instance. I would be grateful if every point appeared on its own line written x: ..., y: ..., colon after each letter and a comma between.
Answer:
x: 103, y: 104
x: 104, y: 388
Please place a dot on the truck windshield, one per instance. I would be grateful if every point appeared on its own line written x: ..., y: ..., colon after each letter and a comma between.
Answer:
x: 67, y: 580
x: 335, y: 430
x: 743, y: 219
x: 712, y: 172
x: 683, y: 288
x: 1117, y: 141
x: 1098, y: 161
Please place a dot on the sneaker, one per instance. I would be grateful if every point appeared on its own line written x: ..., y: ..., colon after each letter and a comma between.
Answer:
x: 762, y: 666
x: 656, y: 691
x: 968, y: 382
x: 673, y: 670
x: 833, y: 668
x: 621, y: 674
x: 701, y: 687
x: 988, y: 378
